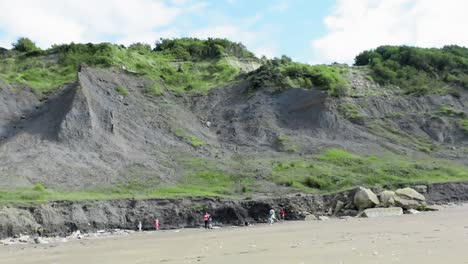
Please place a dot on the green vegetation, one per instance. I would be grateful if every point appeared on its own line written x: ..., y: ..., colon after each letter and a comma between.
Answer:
x: 418, y: 70
x: 284, y: 73
x: 203, y: 66
x: 195, y: 49
x: 121, y: 90
x: 351, y: 112
x: 285, y: 143
x: 449, y: 111
x: 464, y: 125
x: 337, y: 169
x: 154, y: 89
x: 191, y: 139
x: 331, y: 171
x: 204, y: 181
x: 25, y: 45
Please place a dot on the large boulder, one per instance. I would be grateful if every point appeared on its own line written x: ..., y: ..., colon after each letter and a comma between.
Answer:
x: 382, y: 212
x: 410, y: 194
x: 387, y: 198
x: 408, y: 198
x: 365, y: 198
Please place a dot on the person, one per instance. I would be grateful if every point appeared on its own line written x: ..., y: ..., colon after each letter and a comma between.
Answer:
x: 210, y: 222
x: 282, y: 214
x: 139, y: 226
x: 272, y: 217
x: 156, y: 224
x: 206, y: 219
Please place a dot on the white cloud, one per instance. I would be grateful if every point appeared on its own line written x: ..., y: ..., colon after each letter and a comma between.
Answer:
x: 357, y: 25
x: 54, y: 21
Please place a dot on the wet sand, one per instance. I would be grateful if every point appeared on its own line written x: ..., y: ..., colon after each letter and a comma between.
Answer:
x: 432, y: 237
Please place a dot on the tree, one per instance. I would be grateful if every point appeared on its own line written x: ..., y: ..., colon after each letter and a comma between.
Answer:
x: 24, y: 45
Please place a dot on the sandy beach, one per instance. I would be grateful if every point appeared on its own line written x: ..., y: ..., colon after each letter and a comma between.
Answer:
x: 431, y: 237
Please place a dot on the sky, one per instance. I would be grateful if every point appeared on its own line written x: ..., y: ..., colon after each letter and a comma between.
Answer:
x: 309, y: 31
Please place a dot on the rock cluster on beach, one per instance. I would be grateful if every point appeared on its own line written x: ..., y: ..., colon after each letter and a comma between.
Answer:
x: 389, y: 203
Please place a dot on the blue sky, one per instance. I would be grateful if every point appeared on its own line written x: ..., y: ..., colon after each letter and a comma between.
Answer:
x: 308, y: 31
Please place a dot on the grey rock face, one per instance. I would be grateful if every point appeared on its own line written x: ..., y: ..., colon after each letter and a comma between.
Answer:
x: 365, y: 198
x: 387, y: 198
x: 408, y: 198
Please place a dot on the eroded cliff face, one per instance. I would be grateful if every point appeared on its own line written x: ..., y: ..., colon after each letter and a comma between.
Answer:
x: 64, y: 217
x: 87, y: 135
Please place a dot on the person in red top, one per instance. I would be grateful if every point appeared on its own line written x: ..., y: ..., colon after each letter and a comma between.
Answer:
x: 206, y: 218
x: 156, y: 224
x: 282, y: 214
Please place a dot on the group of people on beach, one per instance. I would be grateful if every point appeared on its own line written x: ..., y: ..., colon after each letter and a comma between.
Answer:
x: 272, y: 216
x: 156, y: 225
x: 208, y: 220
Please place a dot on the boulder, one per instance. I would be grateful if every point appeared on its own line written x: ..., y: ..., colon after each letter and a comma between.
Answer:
x: 40, y: 240
x: 409, y: 193
x: 310, y: 217
x: 412, y: 211
x: 339, y: 205
x: 382, y: 212
x: 365, y: 198
x: 24, y: 239
x: 433, y: 207
x: 387, y: 198
x: 409, y: 204
x: 323, y: 218
x: 408, y: 198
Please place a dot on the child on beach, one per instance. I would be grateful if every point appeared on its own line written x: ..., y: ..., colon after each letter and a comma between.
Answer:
x: 206, y: 219
x: 139, y: 226
x: 282, y: 214
x: 272, y: 217
x: 156, y: 224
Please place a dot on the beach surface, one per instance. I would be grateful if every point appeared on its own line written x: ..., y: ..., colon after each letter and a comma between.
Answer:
x: 429, y: 237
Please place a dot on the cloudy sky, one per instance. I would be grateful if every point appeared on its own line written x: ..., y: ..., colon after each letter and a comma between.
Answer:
x: 311, y: 31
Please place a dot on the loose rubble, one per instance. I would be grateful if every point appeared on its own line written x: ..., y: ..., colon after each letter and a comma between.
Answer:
x: 76, y: 235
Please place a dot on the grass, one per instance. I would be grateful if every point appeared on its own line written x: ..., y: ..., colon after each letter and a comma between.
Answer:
x: 332, y: 170
x: 336, y: 169
x: 121, y: 90
x: 286, y: 144
x: 49, y: 69
x: 351, y: 112
x: 154, y: 89
x: 191, y: 139
x: 464, y: 125
x: 203, y: 183
x: 451, y: 112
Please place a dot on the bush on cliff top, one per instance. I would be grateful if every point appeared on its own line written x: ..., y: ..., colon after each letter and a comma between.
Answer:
x: 418, y: 70
x: 283, y: 73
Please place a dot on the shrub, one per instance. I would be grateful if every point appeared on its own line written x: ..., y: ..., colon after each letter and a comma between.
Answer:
x: 197, y: 49
x: 412, y: 67
x: 39, y: 188
x: 316, y: 183
x: 283, y: 73
x: 25, y: 45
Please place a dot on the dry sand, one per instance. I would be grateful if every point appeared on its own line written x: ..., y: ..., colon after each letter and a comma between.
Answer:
x: 435, y: 237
